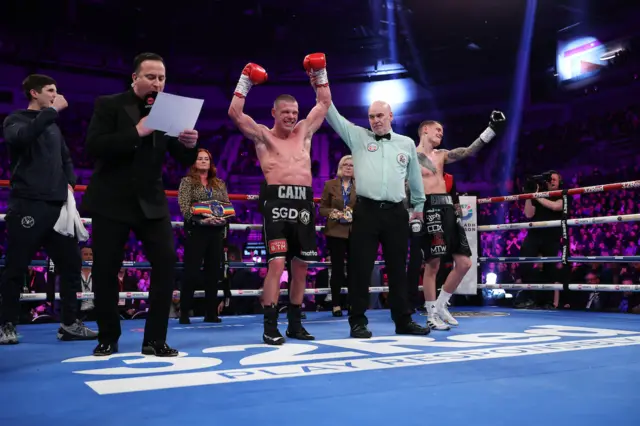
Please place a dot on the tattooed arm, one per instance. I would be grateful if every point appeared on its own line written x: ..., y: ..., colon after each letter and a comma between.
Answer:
x: 462, y: 153
x: 426, y: 163
x: 496, y: 122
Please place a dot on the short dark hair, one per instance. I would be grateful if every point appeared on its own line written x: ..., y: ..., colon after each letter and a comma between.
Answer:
x: 555, y: 172
x: 286, y: 98
x: 426, y: 123
x: 146, y: 56
x: 35, y: 82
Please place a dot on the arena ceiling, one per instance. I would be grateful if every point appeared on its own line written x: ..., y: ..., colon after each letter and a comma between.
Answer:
x: 443, y: 39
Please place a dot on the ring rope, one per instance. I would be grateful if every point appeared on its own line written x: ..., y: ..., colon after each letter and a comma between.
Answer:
x: 576, y: 259
x: 248, y: 265
x: 179, y: 224
x: 319, y: 291
x: 147, y: 265
x: 573, y: 191
x: 172, y: 193
x: 482, y: 228
x: 587, y: 189
x: 557, y: 223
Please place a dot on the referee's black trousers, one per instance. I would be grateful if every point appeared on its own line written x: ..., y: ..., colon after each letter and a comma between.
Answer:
x: 377, y: 223
x: 30, y: 226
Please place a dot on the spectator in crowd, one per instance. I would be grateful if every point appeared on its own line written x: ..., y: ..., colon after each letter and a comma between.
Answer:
x: 86, y: 306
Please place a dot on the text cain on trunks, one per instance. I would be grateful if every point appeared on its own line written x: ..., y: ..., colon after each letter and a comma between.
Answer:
x: 292, y: 192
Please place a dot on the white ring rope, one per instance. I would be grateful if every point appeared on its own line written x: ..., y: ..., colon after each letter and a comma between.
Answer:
x: 557, y: 223
x: 481, y: 228
x: 178, y: 224
x: 344, y: 290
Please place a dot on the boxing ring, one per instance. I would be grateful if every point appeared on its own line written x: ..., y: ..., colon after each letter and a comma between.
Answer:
x: 580, y: 366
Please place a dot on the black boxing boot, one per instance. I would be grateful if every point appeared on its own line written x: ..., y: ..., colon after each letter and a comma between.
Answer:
x: 295, y: 330
x: 271, y: 335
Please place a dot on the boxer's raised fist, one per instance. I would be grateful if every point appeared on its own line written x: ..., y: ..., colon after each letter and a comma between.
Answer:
x: 314, y: 62
x: 316, y: 66
x: 255, y: 73
x: 497, y: 120
x: 252, y: 74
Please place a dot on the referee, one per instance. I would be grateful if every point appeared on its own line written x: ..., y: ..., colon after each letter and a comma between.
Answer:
x: 382, y: 161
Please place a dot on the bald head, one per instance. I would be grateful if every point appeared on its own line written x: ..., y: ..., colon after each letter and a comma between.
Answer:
x: 380, y: 117
x: 380, y: 105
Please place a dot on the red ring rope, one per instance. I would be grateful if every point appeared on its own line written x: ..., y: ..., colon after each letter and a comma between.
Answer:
x: 169, y: 192
x: 587, y: 189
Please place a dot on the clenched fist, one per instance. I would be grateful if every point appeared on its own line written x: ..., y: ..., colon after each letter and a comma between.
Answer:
x: 252, y: 74
x: 59, y: 103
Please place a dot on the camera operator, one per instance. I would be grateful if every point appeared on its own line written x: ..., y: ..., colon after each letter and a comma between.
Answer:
x: 545, y: 242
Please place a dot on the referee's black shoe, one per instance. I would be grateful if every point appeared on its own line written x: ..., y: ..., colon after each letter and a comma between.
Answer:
x: 412, y: 328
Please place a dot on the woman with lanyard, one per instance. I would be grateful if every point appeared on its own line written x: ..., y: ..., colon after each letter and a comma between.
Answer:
x: 204, y: 203
x: 338, y: 199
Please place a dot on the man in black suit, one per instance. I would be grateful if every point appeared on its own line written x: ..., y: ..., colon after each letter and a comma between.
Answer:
x: 126, y: 194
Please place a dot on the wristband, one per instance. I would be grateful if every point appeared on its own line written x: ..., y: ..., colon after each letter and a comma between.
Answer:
x: 487, y: 135
x: 243, y: 86
x: 319, y: 78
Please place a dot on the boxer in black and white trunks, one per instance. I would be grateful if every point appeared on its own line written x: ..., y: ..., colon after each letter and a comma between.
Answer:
x: 284, y: 152
x: 442, y: 236
x: 443, y: 230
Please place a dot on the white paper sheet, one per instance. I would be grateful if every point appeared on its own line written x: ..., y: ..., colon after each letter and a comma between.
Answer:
x: 173, y: 114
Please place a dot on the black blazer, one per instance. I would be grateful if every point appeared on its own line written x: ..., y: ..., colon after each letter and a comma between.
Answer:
x: 128, y: 170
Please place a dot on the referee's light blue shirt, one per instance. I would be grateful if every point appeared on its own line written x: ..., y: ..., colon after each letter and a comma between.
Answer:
x: 381, y: 167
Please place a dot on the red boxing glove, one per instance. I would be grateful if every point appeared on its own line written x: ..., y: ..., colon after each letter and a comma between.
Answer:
x: 448, y: 180
x: 315, y: 61
x: 251, y: 74
x: 315, y: 64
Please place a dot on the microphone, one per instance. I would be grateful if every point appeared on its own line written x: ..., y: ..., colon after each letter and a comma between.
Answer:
x: 149, y: 100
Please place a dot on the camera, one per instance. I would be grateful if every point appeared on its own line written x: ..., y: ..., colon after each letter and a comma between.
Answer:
x: 535, y: 182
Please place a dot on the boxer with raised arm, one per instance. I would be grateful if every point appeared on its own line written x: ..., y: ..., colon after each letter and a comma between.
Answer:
x: 284, y: 152
x: 443, y: 231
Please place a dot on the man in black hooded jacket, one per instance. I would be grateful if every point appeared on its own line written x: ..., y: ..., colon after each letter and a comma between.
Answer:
x: 41, y: 177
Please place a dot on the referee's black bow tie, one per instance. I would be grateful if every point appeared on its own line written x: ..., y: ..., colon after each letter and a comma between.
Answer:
x: 387, y: 137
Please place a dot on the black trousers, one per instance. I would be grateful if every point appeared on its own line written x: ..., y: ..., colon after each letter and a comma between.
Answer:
x: 30, y: 226
x: 378, y: 223
x: 545, y: 245
x: 339, y: 251
x: 109, y: 238
x: 203, y: 244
